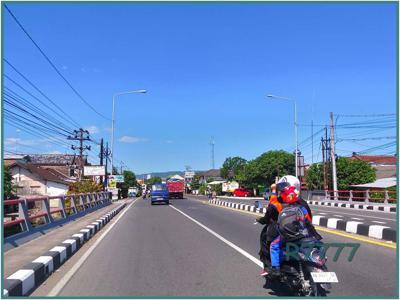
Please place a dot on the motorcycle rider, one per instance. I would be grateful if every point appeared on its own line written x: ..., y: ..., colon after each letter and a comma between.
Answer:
x: 287, y: 185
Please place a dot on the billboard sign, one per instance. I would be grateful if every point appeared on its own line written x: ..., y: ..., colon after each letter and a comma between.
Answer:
x: 116, y: 178
x: 189, y: 174
x: 94, y: 170
x: 230, y: 187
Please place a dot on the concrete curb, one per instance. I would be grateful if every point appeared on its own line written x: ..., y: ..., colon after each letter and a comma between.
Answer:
x: 374, y: 231
x: 332, y: 203
x: 391, y: 209
x: 27, y: 279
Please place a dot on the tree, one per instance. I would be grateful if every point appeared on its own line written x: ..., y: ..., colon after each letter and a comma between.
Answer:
x: 9, y: 188
x: 195, y: 184
x: 84, y: 186
x: 348, y: 171
x: 353, y: 171
x: 232, y: 166
x: 315, y: 177
x: 263, y: 170
x: 129, y: 181
x: 153, y: 180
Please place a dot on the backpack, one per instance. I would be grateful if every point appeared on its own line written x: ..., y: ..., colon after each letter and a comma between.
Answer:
x: 292, y: 223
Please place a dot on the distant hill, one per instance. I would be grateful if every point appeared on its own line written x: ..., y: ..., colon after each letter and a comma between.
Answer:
x: 161, y: 174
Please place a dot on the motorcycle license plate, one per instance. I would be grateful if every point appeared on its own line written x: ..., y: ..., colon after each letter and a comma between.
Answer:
x: 324, y: 277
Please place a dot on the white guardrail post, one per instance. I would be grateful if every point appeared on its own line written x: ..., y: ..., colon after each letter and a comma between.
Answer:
x: 24, y: 214
x: 367, y: 196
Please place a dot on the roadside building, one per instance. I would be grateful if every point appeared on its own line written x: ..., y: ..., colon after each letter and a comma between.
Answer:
x: 384, y: 165
x: 34, y: 180
x: 213, y: 174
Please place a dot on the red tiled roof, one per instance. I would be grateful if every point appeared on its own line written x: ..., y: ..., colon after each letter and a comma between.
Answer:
x: 376, y: 159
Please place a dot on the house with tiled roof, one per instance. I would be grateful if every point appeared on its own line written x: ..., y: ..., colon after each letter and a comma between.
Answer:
x: 34, y: 180
x: 385, y: 165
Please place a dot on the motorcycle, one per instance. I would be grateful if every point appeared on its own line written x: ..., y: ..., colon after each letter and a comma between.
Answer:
x: 303, y: 268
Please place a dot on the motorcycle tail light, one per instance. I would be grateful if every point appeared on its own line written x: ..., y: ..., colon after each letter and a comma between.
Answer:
x: 315, y: 257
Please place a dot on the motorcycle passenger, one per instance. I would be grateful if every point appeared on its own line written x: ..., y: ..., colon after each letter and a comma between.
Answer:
x: 290, y: 197
x: 270, y: 232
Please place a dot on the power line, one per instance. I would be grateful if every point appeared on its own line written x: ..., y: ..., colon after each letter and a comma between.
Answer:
x: 50, y: 139
x: 10, y: 102
x: 51, y: 63
x: 34, y: 108
x: 37, y: 89
x: 370, y: 138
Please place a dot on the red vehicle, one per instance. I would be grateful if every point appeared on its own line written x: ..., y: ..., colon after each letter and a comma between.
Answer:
x: 176, y: 187
x: 242, y: 192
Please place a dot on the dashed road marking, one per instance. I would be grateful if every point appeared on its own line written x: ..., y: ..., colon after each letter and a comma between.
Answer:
x: 232, y: 245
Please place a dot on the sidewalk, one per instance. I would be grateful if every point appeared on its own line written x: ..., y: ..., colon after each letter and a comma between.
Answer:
x: 15, y: 258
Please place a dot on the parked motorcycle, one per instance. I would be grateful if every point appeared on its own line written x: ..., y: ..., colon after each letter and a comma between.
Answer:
x: 303, y: 268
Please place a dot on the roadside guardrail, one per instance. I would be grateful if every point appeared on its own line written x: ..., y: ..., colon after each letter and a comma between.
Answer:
x: 27, y: 215
x: 366, y: 196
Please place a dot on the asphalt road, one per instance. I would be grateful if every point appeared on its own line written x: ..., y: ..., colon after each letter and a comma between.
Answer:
x: 158, y: 251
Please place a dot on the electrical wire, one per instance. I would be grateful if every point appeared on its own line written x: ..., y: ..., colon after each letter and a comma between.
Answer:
x: 52, y: 64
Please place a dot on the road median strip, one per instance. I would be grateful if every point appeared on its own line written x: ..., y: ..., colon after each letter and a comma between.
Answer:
x: 32, y: 275
x: 373, y: 231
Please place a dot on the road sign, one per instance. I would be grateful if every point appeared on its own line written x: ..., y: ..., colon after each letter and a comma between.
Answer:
x: 116, y: 178
x: 189, y: 174
x: 94, y: 170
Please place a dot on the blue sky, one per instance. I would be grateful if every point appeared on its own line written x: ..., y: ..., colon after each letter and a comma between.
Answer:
x: 207, y: 68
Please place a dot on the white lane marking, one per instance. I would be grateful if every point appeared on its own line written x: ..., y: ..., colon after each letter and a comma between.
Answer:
x: 232, y: 245
x: 379, y: 222
x: 60, y: 285
x: 322, y: 213
x: 359, y: 219
x: 356, y: 214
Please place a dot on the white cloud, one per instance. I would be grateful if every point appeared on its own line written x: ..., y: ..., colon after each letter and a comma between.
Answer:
x: 131, y: 139
x: 14, y: 141
x: 107, y: 129
x: 169, y: 141
x: 55, y: 152
x: 92, y: 129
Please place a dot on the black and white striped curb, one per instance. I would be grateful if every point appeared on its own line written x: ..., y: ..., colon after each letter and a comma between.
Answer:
x: 384, y: 208
x: 374, y: 231
x: 333, y: 203
x: 25, y: 280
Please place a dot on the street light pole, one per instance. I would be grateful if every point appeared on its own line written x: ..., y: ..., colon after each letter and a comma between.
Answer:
x: 295, y: 128
x: 113, y: 123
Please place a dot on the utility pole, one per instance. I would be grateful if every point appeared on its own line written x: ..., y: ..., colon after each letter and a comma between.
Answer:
x: 101, y: 158
x: 212, y: 143
x: 312, y: 141
x: 333, y: 158
x: 324, y: 162
x: 107, y: 153
x: 80, y: 135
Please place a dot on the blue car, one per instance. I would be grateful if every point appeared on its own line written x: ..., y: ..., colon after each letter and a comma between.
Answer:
x: 159, y: 193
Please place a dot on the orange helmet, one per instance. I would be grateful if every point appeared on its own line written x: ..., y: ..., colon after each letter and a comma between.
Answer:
x: 290, y: 194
